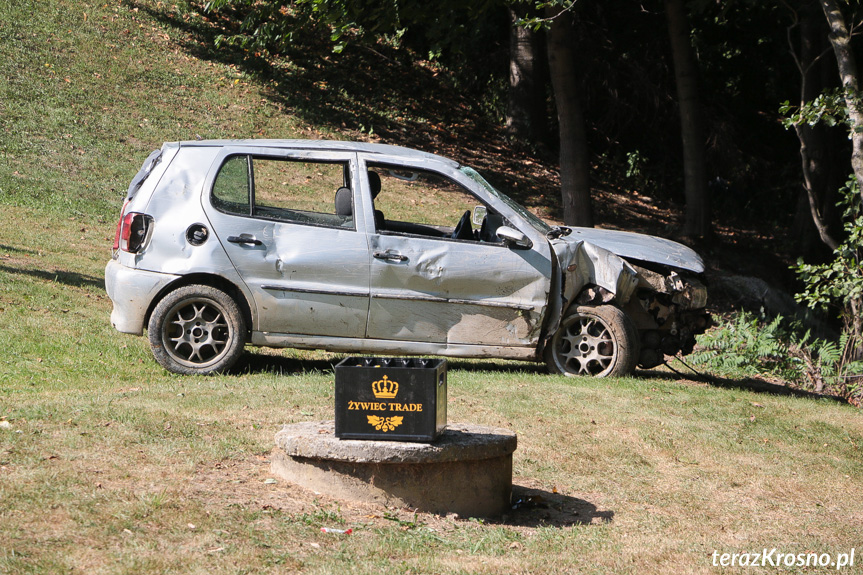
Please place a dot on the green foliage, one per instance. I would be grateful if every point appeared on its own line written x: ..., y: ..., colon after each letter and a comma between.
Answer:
x: 839, y: 282
x: 829, y: 107
x: 270, y: 25
x: 838, y: 285
x: 827, y: 367
x: 635, y: 164
x: 746, y: 346
x: 537, y: 23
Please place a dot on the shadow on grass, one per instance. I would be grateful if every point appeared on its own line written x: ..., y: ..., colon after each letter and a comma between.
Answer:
x: 745, y: 384
x: 5, y: 248
x: 72, y: 279
x: 378, y: 91
x: 252, y: 363
x: 259, y: 363
x: 537, y: 508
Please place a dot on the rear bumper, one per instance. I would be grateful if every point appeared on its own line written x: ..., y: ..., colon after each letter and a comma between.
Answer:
x: 132, y: 291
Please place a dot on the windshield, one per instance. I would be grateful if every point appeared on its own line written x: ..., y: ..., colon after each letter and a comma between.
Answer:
x: 532, y: 219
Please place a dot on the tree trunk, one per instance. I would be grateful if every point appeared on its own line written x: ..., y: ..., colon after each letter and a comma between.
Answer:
x: 526, y: 112
x: 574, y: 153
x: 697, y: 222
x: 816, y: 207
x: 840, y: 39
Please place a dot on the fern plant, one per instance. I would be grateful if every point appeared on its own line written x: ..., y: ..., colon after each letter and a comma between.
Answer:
x: 746, y: 346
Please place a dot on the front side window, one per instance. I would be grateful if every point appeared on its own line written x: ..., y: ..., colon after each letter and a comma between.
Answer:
x: 532, y: 218
x: 426, y: 203
x: 303, y: 192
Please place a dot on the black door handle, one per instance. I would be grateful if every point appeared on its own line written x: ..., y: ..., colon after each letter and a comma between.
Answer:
x: 245, y: 239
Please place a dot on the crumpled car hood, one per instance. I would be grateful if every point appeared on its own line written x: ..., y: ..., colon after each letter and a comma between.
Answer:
x: 641, y: 247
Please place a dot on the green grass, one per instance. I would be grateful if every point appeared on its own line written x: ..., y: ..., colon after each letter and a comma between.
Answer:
x: 110, y: 465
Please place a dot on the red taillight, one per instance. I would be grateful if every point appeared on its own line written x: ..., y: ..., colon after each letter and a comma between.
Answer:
x: 126, y: 231
x: 132, y: 232
x: 119, y: 227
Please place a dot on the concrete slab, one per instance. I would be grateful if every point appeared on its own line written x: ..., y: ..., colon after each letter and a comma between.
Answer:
x: 467, y: 470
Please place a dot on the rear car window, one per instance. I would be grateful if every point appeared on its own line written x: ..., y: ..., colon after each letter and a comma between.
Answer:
x: 146, y: 169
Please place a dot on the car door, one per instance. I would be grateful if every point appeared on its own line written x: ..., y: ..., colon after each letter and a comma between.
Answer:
x: 427, y: 286
x: 287, y: 223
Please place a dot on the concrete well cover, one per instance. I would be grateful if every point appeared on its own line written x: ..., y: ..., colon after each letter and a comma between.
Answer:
x: 467, y: 471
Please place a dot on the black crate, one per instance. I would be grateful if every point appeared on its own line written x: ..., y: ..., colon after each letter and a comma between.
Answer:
x: 385, y: 398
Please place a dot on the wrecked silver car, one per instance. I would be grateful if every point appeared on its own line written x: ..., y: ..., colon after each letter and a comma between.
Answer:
x: 364, y: 248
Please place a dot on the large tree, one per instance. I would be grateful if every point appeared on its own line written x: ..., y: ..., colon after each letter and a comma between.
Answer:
x: 697, y: 221
x: 526, y: 116
x: 840, y: 39
x: 574, y: 152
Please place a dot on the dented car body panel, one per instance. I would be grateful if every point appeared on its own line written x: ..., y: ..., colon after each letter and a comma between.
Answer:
x: 589, y: 264
x: 316, y: 276
x: 455, y: 293
x: 357, y: 247
x: 642, y: 247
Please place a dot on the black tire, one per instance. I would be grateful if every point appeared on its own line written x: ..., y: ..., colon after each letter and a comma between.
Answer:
x: 597, y: 341
x: 197, y: 330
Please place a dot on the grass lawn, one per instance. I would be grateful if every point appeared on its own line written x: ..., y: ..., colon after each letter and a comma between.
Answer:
x: 108, y: 464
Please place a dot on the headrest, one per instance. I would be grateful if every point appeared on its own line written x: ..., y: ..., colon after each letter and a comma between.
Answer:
x: 344, y: 202
x: 374, y: 183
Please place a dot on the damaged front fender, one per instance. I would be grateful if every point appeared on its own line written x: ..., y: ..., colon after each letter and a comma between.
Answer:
x: 666, y: 308
x: 582, y: 264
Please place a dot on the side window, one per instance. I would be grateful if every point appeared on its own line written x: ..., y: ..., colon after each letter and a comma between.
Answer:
x: 231, y: 191
x: 418, y: 202
x: 303, y: 192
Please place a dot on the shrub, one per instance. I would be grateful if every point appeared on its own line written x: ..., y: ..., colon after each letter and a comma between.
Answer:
x: 838, y: 285
x: 746, y: 346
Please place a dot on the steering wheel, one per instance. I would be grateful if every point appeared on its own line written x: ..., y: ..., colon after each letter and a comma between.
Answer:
x: 463, y: 230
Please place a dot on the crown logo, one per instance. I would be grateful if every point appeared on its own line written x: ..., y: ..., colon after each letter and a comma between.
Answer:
x: 385, y: 388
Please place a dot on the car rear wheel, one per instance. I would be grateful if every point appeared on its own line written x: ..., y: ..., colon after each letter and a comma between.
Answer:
x: 197, y: 330
x: 598, y: 341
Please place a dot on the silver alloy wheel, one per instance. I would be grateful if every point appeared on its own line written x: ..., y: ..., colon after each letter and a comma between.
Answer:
x: 594, y: 341
x: 196, y: 333
x: 197, y: 330
x: 586, y: 347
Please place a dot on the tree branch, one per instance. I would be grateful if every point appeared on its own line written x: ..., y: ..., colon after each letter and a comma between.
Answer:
x: 810, y: 193
x: 546, y: 22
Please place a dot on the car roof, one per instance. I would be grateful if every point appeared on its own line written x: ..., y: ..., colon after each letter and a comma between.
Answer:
x: 340, y: 145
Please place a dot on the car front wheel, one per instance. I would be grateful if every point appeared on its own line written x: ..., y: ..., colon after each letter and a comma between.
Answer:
x: 596, y: 341
x: 197, y: 330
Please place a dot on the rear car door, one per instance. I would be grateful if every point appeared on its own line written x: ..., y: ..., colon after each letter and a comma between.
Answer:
x: 286, y: 219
